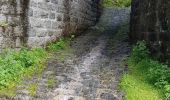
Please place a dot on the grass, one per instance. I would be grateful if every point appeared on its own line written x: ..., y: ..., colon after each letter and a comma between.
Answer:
x: 51, y: 81
x: 116, y: 3
x: 136, y: 87
x: 15, y: 66
x: 147, y: 79
x: 61, y: 48
x: 135, y: 83
x: 32, y: 88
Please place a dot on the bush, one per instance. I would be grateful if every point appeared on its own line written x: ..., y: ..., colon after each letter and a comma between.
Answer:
x: 140, y: 52
x: 156, y: 73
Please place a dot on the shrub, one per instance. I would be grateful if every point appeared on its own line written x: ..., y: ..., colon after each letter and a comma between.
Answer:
x: 155, y: 73
x: 140, y: 52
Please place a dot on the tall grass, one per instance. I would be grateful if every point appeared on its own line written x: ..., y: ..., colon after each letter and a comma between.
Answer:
x: 147, y: 79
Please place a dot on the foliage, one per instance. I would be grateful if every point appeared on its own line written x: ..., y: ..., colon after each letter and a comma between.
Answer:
x: 60, y: 44
x: 61, y: 47
x: 15, y: 65
x: 159, y: 75
x: 140, y: 51
x: 56, y: 46
x: 116, y: 3
x: 152, y: 72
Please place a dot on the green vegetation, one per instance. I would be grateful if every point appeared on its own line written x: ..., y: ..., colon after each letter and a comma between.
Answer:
x: 18, y: 65
x: 137, y: 89
x: 62, y: 47
x: 32, y: 88
x: 15, y: 65
x: 58, y: 45
x: 147, y: 79
x: 116, y: 3
x: 51, y: 81
x: 63, y: 43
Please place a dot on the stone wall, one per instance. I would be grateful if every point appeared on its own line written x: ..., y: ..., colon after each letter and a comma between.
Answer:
x: 12, y: 23
x: 33, y: 23
x: 150, y: 21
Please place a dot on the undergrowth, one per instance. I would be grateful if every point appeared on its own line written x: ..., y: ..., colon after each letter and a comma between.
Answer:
x: 116, y: 3
x: 15, y: 65
x: 59, y: 45
x: 18, y: 65
x: 147, y: 79
x: 61, y: 48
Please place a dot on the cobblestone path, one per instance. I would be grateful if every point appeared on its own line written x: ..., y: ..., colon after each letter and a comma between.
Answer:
x: 91, y: 69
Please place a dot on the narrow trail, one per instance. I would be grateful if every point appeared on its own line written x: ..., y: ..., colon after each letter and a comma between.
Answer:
x: 93, y: 67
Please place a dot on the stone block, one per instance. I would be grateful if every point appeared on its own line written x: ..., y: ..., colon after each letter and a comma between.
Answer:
x: 18, y: 31
x: 41, y: 32
x: 54, y: 1
x: 52, y: 16
x: 47, y: 24
x: 44, y: 14
x: 30, y: 12
x: 31, y: 32
x: 43, y: 20
x: 18, y: 42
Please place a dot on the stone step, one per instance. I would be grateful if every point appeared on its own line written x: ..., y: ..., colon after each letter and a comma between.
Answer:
x: 68, y: 97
